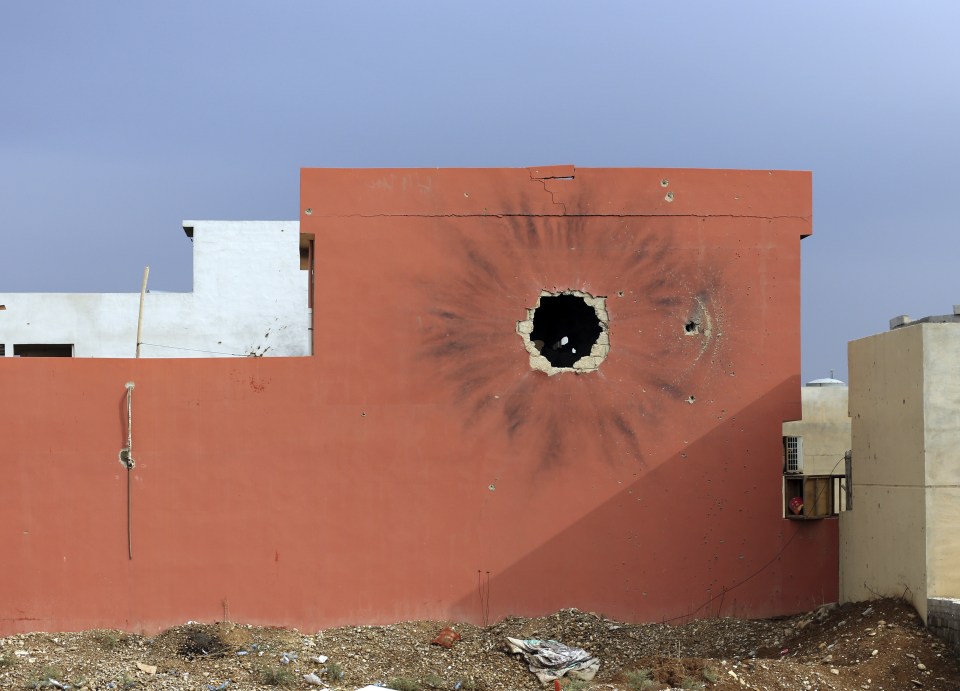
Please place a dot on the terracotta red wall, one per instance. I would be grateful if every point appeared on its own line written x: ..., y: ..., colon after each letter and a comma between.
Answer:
x: 373, y: 481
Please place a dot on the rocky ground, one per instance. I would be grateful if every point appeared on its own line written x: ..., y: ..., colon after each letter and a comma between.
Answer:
x: 880, y: 645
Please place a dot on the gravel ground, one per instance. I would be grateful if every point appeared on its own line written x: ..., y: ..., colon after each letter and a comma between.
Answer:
x: 878, y: 645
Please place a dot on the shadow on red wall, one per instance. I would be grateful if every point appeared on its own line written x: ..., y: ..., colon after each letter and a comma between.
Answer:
x: 701, y: 534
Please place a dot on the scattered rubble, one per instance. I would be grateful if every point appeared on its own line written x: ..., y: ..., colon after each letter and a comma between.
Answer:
x: 876, y: 646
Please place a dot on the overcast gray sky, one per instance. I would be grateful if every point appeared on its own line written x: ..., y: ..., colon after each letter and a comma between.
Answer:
x: 120, y: 119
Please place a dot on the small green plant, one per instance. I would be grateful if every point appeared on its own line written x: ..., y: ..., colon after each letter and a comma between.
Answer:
x: 468, y: 684
x: 690, y: 684
x: 108, y: 640
x: 639, y: 679
x: 711, y: 675
x: 433, y: 681
x: 576, y: 685
x: 52, y: 672
x: 42, y: 680
x: 5, y: 661
x: 333, y: 671
x: 404, y: 684
x: 276, y: 676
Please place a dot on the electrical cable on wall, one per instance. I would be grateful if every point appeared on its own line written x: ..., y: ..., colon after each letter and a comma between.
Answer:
x: 126, y: 454
x: 195, y: 350
x: 126, y: 459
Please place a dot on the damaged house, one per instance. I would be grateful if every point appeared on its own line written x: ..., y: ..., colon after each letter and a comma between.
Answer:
x: 495, y: 391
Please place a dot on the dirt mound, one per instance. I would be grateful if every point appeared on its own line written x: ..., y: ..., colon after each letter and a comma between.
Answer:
x: 875, y: 645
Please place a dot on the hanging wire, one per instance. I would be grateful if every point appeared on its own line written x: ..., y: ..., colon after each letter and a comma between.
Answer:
x: 195, y: 350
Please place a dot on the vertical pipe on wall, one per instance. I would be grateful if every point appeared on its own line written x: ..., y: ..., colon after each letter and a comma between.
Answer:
x: 130, y: 385
x: 143, y: 292
x: 126, y: 457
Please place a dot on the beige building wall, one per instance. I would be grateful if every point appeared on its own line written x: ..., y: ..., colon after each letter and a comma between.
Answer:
x: 941, y: 400
x: 883, y: 547
x: 825, y: 429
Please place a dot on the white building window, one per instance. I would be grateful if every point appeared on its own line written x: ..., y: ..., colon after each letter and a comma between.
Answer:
x: 793, y: 454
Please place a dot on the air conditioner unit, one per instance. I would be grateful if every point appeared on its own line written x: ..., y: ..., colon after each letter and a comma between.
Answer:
x: 793, y: 455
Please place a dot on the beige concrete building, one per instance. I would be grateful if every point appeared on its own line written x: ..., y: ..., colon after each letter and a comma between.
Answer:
x: 900, y: 536
x: 814, y: 450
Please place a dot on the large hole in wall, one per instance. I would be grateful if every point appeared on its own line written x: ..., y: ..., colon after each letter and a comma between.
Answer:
x: 566, y: 331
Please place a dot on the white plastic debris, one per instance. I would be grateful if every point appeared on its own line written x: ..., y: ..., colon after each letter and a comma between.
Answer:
x: 149, y: 669
x: 551, y: 660
x: 313, y: 679
x: 319, y: 659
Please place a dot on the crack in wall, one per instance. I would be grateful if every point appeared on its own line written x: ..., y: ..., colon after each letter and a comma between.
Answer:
x: 543, y: 181
x: 527, y: 214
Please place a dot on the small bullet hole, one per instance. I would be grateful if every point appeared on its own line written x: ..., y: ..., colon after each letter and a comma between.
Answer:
x: 691, y: 327
x: 691, y: 399
x: 492, y: 487
x: 362, y: 414
x: 669, y: 196
x: 619, y: 293
x: 664, y: 182
x: 308, y: 212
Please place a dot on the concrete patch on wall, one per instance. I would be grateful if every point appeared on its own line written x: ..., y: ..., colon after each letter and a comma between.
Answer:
x: 566, y: 331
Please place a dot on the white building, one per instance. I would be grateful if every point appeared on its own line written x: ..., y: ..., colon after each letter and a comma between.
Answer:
x: 250, y: 296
